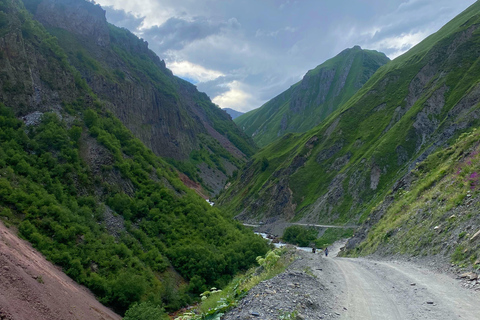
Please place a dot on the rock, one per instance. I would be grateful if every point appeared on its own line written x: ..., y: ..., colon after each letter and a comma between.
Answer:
x: 429, y: 302
x: 6, y: 268
x: 475, y: 236
x: 477, y: 262
x: 300, y: 317
x: 413, y: 284
x: 255, y: 314
x: 469, y: 276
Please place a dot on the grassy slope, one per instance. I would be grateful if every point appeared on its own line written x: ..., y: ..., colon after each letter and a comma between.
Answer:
x: 438, y: 213
x: 59, y: 178
x: 367, y: 132
x: 301, y: 108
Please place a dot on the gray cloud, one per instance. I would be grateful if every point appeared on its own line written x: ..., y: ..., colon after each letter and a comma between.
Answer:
x: 257, y: 49
x: 176, y: 33
x: 123, y: 19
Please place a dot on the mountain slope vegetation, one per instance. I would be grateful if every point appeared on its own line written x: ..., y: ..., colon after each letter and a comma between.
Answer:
x: 342, y: 169
x: 308, y: 102
x: 165, y: 112
x: 90, y: 196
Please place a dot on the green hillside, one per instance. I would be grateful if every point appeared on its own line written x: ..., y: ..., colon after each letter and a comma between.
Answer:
x: 433, y: 210
x: 165, y: 112
x: 342, y: 169
x: 308, y: 102
x: 90, y: 195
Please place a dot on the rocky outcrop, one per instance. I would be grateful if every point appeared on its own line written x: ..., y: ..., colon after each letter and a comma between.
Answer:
x: 166, y: 113
x: 78, y: 17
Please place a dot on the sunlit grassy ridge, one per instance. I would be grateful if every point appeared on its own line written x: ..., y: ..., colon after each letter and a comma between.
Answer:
x: 311, y: 100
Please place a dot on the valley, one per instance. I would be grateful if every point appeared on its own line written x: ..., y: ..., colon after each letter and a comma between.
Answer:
x: 127, y: 192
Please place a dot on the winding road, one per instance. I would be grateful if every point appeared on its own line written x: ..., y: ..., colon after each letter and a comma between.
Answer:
x: 373, y: 290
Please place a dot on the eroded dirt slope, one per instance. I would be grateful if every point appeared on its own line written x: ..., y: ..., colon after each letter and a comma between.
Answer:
x: 33, y: 288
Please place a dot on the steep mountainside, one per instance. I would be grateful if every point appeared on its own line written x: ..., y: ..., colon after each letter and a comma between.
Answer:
x: 166, y: 113
x: 90, y: 196
x: 339, y: 171
x: 432, y: 210
x: 310, y: 101
x: 233, y: 113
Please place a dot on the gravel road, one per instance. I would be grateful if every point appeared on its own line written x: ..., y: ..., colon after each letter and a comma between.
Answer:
x: 317, y: 287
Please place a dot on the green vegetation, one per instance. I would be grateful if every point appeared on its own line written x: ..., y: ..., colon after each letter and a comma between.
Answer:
x: 434, y: 215
x: 59, y: 204
x: 331, y: 235
x: 304, y: 237
x: 299, y: 235
x: 341, y: 170
x: 308, y: 102
x: 216, y: 302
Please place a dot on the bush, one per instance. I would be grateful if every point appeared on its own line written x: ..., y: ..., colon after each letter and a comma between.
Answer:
x: 299, y: 235
x: 145, y: 311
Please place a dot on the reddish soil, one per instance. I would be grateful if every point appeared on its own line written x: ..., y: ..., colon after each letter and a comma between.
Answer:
x: 33, y: 288
x: 197, y: 187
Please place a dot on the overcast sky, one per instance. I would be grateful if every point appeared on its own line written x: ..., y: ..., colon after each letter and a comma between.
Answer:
x: 243, y: 53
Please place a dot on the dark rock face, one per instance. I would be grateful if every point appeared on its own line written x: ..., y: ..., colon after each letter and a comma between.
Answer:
x: 166, y: 113
x: 78, y: 17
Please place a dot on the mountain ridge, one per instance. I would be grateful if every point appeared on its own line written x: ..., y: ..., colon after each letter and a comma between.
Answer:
x: 308, y: 102
x: 341, y: 171
x: 138, y: 88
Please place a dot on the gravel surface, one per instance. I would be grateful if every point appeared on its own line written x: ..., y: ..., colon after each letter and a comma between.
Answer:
x: 317, y: 287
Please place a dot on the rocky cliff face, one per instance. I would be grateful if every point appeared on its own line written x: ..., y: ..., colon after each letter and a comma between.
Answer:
x: 166, y: 113
x: 78, y: 17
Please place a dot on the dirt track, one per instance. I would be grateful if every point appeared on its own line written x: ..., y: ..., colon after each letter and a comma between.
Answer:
x: 33, y: 288
x: 361, y: 289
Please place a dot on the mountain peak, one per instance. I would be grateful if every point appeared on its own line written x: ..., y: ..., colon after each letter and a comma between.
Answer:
x: 307, y: 103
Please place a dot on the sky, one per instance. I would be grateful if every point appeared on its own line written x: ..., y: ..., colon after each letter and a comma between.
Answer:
x: 243, y: 53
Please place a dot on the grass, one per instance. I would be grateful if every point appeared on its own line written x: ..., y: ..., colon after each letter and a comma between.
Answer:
x: 431, y: 217
x: 215, y: 304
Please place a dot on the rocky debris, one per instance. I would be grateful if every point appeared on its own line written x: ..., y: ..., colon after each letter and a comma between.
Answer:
x: 471, y: 276
x: 115, y: 224
x: 296, y: 293
x: 475, y: 236
x: 32, y: 119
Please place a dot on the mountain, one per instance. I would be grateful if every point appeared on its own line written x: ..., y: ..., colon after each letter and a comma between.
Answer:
x: 233, y: 113
x: 310, y: 101
x: 165, y: 112
x: 345, y: 169
x: 82, y: 188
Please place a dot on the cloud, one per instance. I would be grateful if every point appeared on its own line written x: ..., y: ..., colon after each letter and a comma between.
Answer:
x: 177, y: 33
x: 243, y: 53
x: 124, y: 19
x: 235, y: 98
x: 195, y: 72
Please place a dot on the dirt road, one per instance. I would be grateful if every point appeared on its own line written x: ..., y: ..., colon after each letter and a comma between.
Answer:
x: 398, y: 291
x: 342, y: 288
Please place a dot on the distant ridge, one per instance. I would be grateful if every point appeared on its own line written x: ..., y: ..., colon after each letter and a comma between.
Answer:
x: 310, y: 101
x: 233, y: 113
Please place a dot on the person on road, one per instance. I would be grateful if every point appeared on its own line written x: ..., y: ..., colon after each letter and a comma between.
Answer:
x: 326, y: 252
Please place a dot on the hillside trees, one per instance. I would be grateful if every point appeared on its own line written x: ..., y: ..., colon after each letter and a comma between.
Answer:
x: 50, y: 191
